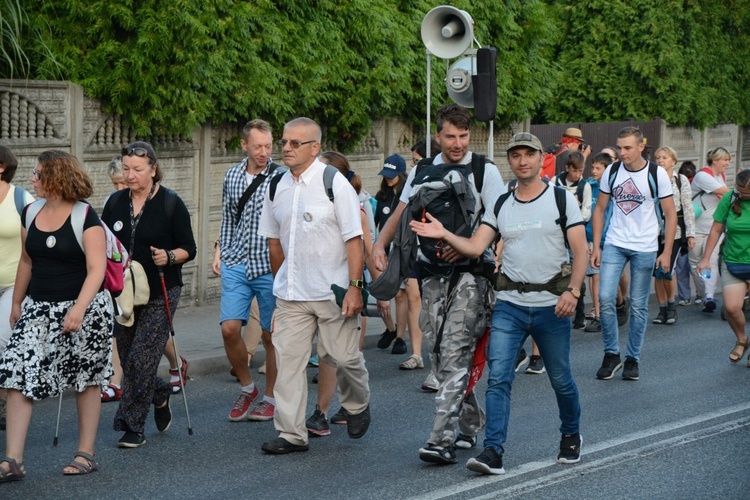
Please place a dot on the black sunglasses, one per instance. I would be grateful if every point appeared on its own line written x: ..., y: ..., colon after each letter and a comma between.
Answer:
x: 139, y: 152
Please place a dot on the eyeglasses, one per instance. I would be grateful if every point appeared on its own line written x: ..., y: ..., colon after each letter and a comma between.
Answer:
x: 36, y: 174
x: 295, y: 144
x: 139, y: 152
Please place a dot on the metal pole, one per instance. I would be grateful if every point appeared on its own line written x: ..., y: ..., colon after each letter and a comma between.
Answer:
x: 429, y: 91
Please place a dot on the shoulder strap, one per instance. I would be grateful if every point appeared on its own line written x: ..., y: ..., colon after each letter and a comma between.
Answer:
x: 272, y: 186
x: 19, y: 197
x: 679, y: 182
x: 257, y: 181
x: 170, y: 200
x: 653, y: 180
x: 613, y: 173
x: 77, y: 218
x: 561, y: 203
x: 502, y: 199
x: 579, y: 190
x: 33, y: 211
x: 478, y: 163
x: 328, y: 174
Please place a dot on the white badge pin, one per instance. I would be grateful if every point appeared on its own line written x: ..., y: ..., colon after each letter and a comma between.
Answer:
x: 386, y: 210
x: 118, y: 225
x: 307, y: 216
x: 51, y: 241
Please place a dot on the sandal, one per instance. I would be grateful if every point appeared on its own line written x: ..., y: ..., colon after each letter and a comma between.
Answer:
x: 83, y: 468
x: 111, y: 393
x: 737, y: 352
x: 177, y: 372
x: 412, y: 363
x: 14, y: 472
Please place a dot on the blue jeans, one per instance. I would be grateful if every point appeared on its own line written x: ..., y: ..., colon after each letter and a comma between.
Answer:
x: 683, y: 277
x: 511, y: 325
x: 614, y: 259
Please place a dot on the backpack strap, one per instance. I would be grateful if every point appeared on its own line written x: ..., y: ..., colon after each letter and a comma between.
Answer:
x: 33, y: 211
x: 561, y: 203
x: 579, y: 190
x: 328, y: 174
x: 257, y: 181
x: 170, y: 200
x: 273, y: 184
x: 77, y: 218
x: 19, y: 197
x: 478, y: 164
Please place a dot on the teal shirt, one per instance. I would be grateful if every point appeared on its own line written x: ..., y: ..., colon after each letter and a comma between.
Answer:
x: 737, y: 240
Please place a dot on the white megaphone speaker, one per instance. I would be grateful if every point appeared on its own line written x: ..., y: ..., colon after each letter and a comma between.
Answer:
x: 447, y: 31
x: 458, y: 81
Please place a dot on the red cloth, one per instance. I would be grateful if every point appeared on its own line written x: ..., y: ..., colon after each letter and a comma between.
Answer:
x: 480, y: 358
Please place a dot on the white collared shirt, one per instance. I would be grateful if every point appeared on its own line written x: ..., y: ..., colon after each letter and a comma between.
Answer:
x: 313, y: 233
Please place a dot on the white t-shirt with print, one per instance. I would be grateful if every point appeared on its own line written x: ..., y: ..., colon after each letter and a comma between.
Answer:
x: 634, y: 224
x: 706, y: 184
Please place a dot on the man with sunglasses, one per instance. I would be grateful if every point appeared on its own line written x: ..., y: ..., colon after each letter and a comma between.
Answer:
x: 242, y: 260
x: 314, y: 242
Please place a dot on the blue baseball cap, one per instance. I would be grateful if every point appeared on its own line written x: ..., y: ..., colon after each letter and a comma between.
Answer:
x: 393, y: 166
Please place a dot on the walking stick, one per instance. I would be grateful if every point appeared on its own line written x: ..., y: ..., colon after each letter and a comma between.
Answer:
x: 174, y: 342
x: 57, y: 427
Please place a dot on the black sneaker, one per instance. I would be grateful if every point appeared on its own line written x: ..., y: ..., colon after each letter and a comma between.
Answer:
x: 536, y: 365
x: 386, y: 338
x: 630, y: 372
x: 709, y: 306
x: 661, y: 318
x: 132, y: 440
x: 438, y: 454
x: 357, y: 425
x: 281, y: 446
x: 595, y: 325
x: 487, y: 462
x: 570, y: 449
x: 521, y: 360
x: 163, y: 417
x: 399, y: 347
x: 317, y: 424
x: 623, y: 311
x: 340, y: 417
x: 671, y: 314
x: 465, y: 442
x: 579, y: 323
x: 610, y: 365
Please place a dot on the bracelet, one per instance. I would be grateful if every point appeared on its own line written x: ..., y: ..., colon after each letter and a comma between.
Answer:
x: 172, y: 258
x: 216, y: 243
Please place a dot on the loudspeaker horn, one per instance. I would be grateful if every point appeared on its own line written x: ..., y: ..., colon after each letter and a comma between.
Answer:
x: 458, y: 81
x: 447, y: 31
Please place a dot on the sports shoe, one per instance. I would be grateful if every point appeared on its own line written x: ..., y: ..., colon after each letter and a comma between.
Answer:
x: 430, y: 384
x: 386, y: 338
x: 521, y: 360
x: 591, y: 314
x: 263, y: 412
x: 661, y: 318
x: 595, y: 325
x: 262, y: 368
x: 536, y: 365
x: 487, y: 462
x: 623, y: 311
x: 685, y: 302
x: 111, y: 393
x: 709, y: 306
x: 340, y: 417
x: 630, y: 372
x: 313, y: 361
x: 317, y: 424
x: 610, y: 365
x: 281, y: 446
x: 570, y: 449
x: 698, y: 299
x: 413, y: 362
x: 242, y: 405
x: 357, y: 425
x: 465, y: 442
x: 180, y: 371
x: 438, y: 454
x: 671, y: 315
x: 132, y: 440
x: 579, y: 322
x: 399, y: 347
x: 163, y: 417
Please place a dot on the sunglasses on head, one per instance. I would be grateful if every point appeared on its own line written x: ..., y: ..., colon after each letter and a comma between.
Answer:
x: 139, y: 152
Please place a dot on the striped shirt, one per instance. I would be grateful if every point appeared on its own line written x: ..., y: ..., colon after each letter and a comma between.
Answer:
x: 240, y: 242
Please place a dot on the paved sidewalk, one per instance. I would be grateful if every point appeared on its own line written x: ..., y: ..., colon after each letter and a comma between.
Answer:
x: 198, y: 338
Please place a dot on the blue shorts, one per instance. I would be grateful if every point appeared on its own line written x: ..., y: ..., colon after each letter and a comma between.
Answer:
x: 237, y: 293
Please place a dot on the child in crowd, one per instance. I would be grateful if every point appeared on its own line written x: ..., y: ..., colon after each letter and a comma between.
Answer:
x: 682, y: 270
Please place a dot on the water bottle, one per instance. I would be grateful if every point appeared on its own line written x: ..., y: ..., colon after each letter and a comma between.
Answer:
x: 705, y: 274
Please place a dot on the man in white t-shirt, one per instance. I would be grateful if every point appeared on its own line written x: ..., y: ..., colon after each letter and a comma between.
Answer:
x: 708, y: 186
x: 632, y: 236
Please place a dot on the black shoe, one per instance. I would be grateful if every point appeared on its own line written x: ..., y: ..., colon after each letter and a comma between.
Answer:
x: 438, y: 454
x: 661, y: 318
x: 579, y: 323
x: 595, y: 325
x: 386, y: 338
x: 357, y: 425
x: 317, y: 424
x: 132, y: 440
x: 671, y: 314
x: 623, y: 311
x: 281, y: 446
x: 465, y: 442
x: 610, y: 365
x: 570, y: 449
x: 521, y: 360
x: 487, y: 462
x: 340, y: 417
x: 630, y: 372
x: 163, y: 417
x: 536, y: 365
x: 399, y: 347
x: 709, y: 306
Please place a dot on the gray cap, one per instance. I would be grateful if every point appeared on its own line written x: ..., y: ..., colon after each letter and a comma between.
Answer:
x: 525, y: 139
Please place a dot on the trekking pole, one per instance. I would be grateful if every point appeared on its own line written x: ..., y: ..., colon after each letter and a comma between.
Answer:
x: 57, y: 427
x: 174, y: 342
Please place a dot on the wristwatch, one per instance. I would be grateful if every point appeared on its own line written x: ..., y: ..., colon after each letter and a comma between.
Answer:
x: 356, y: 283
x: 575, y: 291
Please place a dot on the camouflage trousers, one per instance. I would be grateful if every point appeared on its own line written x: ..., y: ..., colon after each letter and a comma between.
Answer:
x: 465, y: 322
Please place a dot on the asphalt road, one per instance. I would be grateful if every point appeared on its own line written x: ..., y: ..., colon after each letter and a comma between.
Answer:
x: 682, y: 431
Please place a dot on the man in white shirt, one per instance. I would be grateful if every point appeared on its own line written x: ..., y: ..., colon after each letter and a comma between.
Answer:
x: 314, y: 242
x: 632, y: 237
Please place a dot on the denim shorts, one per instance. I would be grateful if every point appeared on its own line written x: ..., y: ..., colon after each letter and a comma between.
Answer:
x: 237, y: 293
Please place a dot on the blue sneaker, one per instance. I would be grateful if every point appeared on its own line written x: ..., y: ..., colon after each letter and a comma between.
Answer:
x: 313, y: 361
